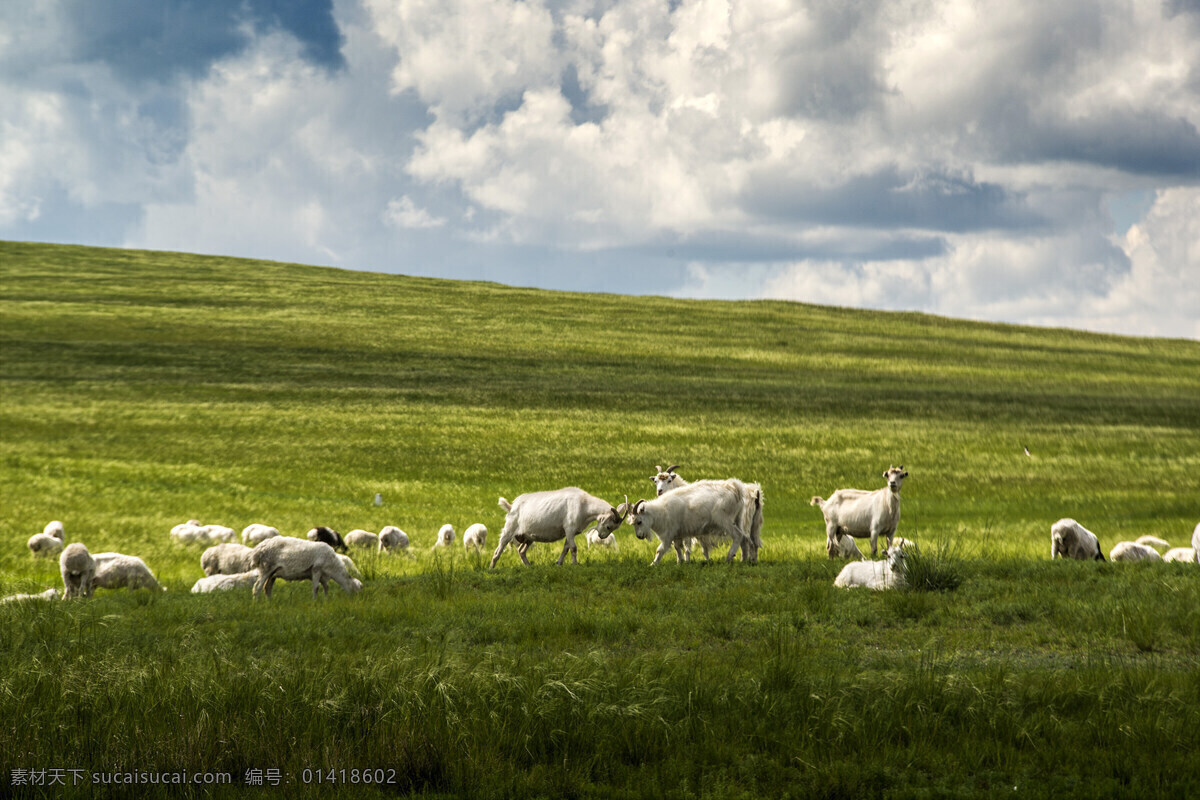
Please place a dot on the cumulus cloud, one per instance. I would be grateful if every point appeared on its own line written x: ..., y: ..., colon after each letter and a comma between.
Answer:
x: 404, y: 213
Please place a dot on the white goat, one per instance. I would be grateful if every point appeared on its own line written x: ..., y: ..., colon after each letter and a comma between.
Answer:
x: 875, y: 575
x: 1132, y: 551
x: 225, y: 583
x: 1069, y: 539
x: 360, y: 538
x: 723, y: 508
x: 475, y: 537
x: 78, y: 571
x: 608, y: 542
x: 863, y: 514
x: 49, y: 594
x: 227, y: 558
x: 1184, y: 554
x: 43, y: 545
x: 299, y: 559
x: 392, y: 538
x: 119, y: 571
x: 1153, y: 541
x: 445, y: 536
x: 553, y: 515
x: 1196, y: 543
x: 668, y: 481
x: 843, y: 546
x: 257, y: 533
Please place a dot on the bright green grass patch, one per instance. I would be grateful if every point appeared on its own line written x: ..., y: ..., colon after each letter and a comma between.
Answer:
x: 142, y: 389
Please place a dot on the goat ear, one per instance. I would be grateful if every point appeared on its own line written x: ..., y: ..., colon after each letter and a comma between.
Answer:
x: 905, y: 475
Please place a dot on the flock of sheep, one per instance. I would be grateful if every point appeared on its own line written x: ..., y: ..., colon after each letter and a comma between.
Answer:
x: 682, y: 516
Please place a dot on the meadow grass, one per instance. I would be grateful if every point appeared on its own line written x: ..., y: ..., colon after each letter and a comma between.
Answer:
x: 142, y: 389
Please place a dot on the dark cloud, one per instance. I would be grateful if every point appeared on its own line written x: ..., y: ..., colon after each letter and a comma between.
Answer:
x: 1143, y: 143
x: 156, y: 42
x: 890, y: 198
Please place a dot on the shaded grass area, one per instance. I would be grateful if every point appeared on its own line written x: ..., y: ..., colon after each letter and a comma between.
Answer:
x: 142, y: 389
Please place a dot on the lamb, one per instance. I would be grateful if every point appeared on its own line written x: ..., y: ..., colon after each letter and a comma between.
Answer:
x: 55, y: 528
x: 224, y: 583
x: 445, y: 536
x: 257, y: 533
x: 876, y: 575
x: 1069, y: 539
x: 328, y: 536
x: 860, y: 513
x: 1153, y: 541
x: 78, y: 571
x: 1132, y: 551
x: 475, y: 537
x: 842, y: 546
x: 1184, y: 554
x: 297, y: 560
x: 360, y: 538
x: 49, y: 594
x: 728, y: 507
x: 119, y: 571
x: 667, y: 481
x: 43, y: 545
x: 594, y: 538
x: 392, y: 538
x: 552, y: 515
x: 228, y: 558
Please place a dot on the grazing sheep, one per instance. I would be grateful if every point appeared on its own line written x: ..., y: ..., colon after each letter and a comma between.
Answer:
x: 257, y: 533
x: 863, y: 514
x: 842, y: 546
x: 1069, y: 539
x: 445, y: 536
x: 360, y: 538
x: 875, y: 575
x: 297, y: 560
x: 225, y: 583
x: 728, y: 508
x: 43, y: 545
x: 55, y: 528
x: 49, y: 594
x: 392, y: 538
x: 475, y: 537
x: 187, y: 532
x: 78, y: 570
x: 119, y: 571
x: 328, y: 536
x: 228, y: 558
x: 351, y: 569
x: 217, y: 533
x: 1184, y: 554
x: 609, y: 542
x: 1153, y: 541
x: 553, y: 515
x: 1132, y: 551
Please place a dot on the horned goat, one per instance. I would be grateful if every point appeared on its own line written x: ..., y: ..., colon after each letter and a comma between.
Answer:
x: 862, y: 514
x: 669, y: 480
x: 553, y: 515
x: 724, y: 508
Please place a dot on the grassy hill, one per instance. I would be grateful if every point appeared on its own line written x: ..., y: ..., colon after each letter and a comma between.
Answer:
x: 141, y: 389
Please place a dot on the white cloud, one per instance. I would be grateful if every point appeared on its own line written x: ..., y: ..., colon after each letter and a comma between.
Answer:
x: 404, y: 213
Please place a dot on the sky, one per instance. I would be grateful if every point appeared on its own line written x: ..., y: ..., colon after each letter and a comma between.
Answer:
x: 1007, y: 160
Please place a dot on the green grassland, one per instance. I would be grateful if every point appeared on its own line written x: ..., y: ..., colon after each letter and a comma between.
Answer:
x: 141, y: 389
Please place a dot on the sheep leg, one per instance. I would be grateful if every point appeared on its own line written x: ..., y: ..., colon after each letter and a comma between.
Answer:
x: 316, y: 581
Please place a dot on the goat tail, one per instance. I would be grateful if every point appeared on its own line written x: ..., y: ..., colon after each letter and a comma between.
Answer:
x: 816, y: 501
x: 757, y: 520
x: 507, y: 506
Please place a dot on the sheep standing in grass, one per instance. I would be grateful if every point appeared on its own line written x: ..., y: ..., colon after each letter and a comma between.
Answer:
x: 360, y: 538
x: 1069, y: 539
x: 1132, y: 551
x: 55, y: 528
x: 445, y: 536
x: 1186, y: 555
x: 328, y: 536
x: 475, y: 537
x: 187, y: 532
x: 49, y: 594
x: 351, y: 568
x: 862, y: 514
x: 297, y: 560
x: 391, y: 539
x: 43, y: 545
x: 225, y: 583
x: 228, y: 558
x: 875, y: 575
x: 119, y: 571
x: 553, y: 515
x: 78, y: 570
x: 257, y: 533
x: 217, y: 533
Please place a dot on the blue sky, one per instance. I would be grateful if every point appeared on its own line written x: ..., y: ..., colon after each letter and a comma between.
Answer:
x: 1013, y: 161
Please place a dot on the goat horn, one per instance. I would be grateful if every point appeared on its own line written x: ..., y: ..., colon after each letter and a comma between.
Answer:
x: 621, y: 517
x: 672, y: 468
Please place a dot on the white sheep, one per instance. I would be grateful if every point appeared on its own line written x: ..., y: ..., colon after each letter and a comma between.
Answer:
x: 225, y: 583
x: 43, y: 545
x: 78, y: 570
x: 475, y: 537
x: 1184, y: 554
x: 360, y: 538
x: 119, y: 571
x: 1132, y: 551
x: 877, y: 575
x: 55, y: 528
x: 217, y: 533
x: 49, y: 594
x: 608, y: 542
x: 552, y: 515
x: 299, y: 559
x: 351, y: 568
x: 1153, y: 541
x: 227, y: 558
x: 863, y: 514
x: 257, y: 533
x: 843, y: 546
x: 392, y: 538
x: 1069, y: 539
x: 186, y: 532
x: 725, y: 508
x: 445, y: 536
